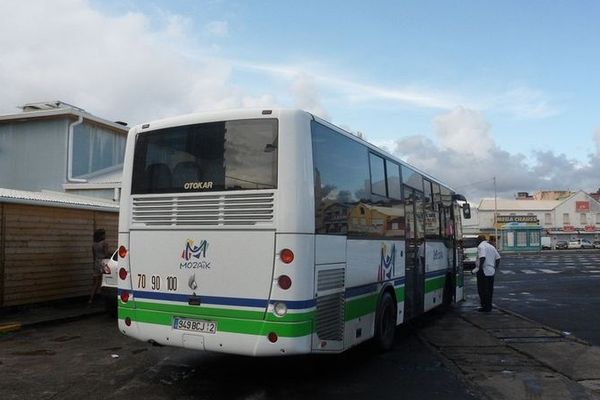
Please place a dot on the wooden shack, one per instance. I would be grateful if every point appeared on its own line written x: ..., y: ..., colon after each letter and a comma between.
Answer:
x: 45, y: 244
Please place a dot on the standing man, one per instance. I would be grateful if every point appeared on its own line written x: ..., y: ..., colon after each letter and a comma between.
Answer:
x: 488, y: 259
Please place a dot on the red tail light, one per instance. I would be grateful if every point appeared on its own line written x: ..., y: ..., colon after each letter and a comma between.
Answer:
x: 124, y: 296
x: 284, y: 282
x: 272, y: 337
x: 122, y: 251
x: 286, y: 255
x: 122, y: 273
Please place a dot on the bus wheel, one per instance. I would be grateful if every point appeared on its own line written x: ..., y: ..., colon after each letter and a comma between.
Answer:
x: 385, y: 322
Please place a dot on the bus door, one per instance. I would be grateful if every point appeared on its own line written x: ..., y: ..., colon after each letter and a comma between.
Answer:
x: 415, y: 254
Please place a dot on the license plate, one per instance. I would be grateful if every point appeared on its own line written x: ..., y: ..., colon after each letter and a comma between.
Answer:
x: 195, y: 325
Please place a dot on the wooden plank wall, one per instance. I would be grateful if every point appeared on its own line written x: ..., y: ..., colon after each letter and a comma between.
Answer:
x: 47, y: 251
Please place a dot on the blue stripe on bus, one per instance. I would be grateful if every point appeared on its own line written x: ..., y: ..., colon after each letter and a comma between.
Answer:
x: 370, y: 288
x: 433, y: 274
x: 399, y: 281
x: 223, y: 301
x: 360, y: 290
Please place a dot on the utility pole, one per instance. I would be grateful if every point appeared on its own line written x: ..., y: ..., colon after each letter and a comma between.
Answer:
x: 496, y: 215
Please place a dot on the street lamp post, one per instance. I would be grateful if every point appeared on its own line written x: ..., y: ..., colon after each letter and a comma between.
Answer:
x: 496, y: 215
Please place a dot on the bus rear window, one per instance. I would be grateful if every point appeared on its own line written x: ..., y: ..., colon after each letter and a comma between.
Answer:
x: 216, y: 156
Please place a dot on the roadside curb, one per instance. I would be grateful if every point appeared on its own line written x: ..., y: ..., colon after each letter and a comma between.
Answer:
x: 502, y: 359
x: 549, y: 328
x: 10, y: 327
x: 13, y: 326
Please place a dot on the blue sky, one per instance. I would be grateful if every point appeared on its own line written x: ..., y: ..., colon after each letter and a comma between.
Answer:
x: 482, y: 88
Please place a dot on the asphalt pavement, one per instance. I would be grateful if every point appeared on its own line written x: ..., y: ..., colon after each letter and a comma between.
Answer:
x: 527, y: 348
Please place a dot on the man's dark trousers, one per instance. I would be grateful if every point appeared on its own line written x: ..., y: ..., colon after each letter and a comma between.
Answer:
x: 485, y: 287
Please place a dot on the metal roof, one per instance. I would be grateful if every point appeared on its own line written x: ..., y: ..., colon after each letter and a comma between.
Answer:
x: 55, y: 199
x: 518, y: 205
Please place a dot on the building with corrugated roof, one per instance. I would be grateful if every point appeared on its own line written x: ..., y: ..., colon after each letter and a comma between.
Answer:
x: 60, y: 178
x: 60, y: 147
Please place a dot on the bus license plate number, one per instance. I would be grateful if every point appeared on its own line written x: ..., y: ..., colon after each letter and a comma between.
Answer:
x: 195, y: 325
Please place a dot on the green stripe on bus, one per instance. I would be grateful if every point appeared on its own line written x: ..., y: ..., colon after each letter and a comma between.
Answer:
x: 434, y: 284
x: 366, y: 305
x: 359, y: 307
x: 400, y: 294
x: 218, y: 312
x: 250, y: 327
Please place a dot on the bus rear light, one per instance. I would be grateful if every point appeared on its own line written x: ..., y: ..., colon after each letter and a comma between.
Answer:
x: 286, y: 255
x: 122, y: 273
x: 124, y: 296
x: 272, y: 337
x: 280, y: 309
x: 122, y: 252
x: 128, y: 321
x: 284, y: 282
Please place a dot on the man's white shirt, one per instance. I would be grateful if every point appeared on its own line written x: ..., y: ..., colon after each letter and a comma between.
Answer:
x: 491, y: 255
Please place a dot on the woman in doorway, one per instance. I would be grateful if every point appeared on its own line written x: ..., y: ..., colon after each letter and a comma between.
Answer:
x: 99, y: 252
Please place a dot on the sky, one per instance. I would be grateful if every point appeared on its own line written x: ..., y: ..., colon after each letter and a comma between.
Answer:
x: 464, y: 90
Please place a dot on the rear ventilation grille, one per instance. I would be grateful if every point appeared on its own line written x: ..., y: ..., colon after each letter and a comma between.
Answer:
x: 227, y: 209
x: 330, y: 304
x: 330, y: 317
x: 330, y: 279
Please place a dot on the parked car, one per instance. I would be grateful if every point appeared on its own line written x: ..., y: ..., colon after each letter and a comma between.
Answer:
x: 546, y: 243
x: 469, y: 245
x: 110, y: 280
x: 580, y: 244
x: 562, y: 244
x: 596, y: 244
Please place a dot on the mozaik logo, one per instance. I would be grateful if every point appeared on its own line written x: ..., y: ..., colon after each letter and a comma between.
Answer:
x: 192, y: 251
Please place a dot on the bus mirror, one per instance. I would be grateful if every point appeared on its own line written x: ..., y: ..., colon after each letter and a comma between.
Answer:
x: 466, y: 211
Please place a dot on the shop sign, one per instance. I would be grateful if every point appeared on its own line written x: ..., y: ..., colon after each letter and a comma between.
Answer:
x: 529, y: 219
x: 590, y: 228
x: 582, y: 206
x: 568, y: 228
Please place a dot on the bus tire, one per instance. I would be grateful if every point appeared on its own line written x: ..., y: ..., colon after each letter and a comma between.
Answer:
x: 385, y: 322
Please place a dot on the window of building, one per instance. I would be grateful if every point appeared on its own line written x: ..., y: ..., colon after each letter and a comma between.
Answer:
x: 95, y: 148
x: 521, y: 239
x: 566, y: 219
x: 583, y: 218
x: 534, y: 238
x: 548, y: 219
x: 597, y: 218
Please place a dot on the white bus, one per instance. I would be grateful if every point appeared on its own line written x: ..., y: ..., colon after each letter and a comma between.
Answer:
x: 274, y: 232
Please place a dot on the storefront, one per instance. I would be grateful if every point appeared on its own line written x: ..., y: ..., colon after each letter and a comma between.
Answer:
x: 520, y: 236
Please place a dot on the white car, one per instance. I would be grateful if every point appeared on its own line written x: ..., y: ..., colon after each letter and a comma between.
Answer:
x: 580, y: 244
x: 469, y: 252
x: 110, y: 280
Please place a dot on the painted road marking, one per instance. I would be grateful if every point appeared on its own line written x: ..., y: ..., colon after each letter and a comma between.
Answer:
x: 549, y: 271
x: 507, y: 272
x: 528, y: 271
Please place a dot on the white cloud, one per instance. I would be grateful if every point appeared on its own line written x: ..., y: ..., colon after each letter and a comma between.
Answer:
x: 522, y: 102
x: 597, y: 141
x: 456, y: 159
x: 464, y: 131
x: 306, y: 96
x: 118, y: 67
